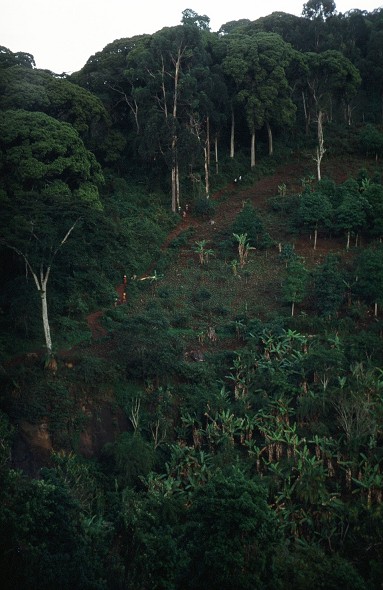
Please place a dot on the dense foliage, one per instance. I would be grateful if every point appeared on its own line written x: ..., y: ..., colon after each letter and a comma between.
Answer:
x: 214, y: 418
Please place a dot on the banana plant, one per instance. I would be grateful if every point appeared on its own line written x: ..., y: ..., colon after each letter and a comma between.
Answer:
x: 203, y: 252
x: 370, y: 481
x: 243, y: 248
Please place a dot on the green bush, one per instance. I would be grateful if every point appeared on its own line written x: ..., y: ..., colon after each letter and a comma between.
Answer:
x: 204, y: 208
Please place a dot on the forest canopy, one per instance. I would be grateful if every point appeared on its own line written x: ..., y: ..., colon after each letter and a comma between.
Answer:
x: 191, y: 309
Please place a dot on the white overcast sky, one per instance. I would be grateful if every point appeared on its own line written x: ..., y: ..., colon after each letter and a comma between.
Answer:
x: 63, y: 34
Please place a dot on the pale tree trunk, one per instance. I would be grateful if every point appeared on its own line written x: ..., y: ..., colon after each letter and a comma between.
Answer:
x: 175, y: 187
x: 175, y: 178
x: 270, y: 137
x: 315, y: 238
x: 292, y: 308
x: 207, y: 183
x: 207, y: 158
x: 41, y: 285
x: 320, y: 148
x: 195, y: 127
x: 232, y: 133
x: 252, y: 150
x: 174, y: 172
x: 44, y: 308
x: 348, y: 241
x: 175, y: 195
x: 376, y: 309
x: 348, y: 113
x: 131, y: 102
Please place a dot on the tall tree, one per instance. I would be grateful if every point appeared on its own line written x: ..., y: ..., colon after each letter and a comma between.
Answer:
x: 46, y: 170
x: 172, y: 68
x: 256, y: 64
x: 321, y: 9
x: 330, y: 78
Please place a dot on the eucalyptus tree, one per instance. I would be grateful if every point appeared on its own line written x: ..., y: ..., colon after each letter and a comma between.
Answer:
x: 108, y: 75
x: 212, y: 106
x: 319, y: 9
x: 219, y: 100
x: 170, y: 69
x: 105, y: 75
x: 190, y: 17
x: 317, y: 12
x: 46, y: 172
x: 330, y: 77
x: 257, y: 65
x: 275, y: 57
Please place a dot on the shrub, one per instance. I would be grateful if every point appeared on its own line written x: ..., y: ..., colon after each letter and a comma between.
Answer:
x: 204, y: 208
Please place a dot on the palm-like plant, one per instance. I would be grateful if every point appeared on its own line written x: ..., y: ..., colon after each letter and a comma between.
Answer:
x: 243, y: 248
x: 202, y: 251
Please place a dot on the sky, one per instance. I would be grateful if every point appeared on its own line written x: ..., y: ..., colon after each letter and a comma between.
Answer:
x: 63, y: 34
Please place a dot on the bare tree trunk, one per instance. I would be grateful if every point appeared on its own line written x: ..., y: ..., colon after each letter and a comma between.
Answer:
x: 320, y: 149
x: 207, y: 183
x: 348, y: 241
x: 44, y: 310
x: 348, y: 113
x: 292, y: 308
x: 131, y: 102
x: 41, y: 285
x: 252, y: 158
x: 315, y: 238
x: 196, y: 129
x: 270, y: 137
x: 175, y: 171
x: 232, y: 133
